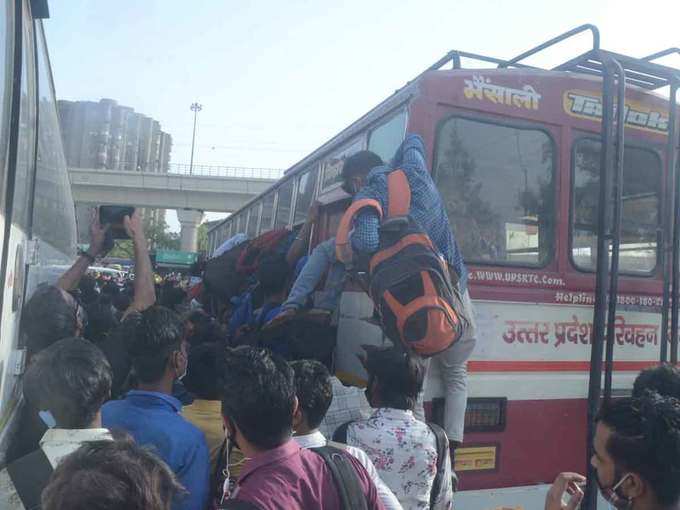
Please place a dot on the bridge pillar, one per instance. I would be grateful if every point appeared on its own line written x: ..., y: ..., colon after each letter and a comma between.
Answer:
x: 189, y: 220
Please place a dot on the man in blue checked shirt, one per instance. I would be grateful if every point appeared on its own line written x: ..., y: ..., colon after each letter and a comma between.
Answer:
x: 365, y: 176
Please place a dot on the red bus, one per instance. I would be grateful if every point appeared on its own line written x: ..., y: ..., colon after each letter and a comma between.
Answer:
x: 517, y: 155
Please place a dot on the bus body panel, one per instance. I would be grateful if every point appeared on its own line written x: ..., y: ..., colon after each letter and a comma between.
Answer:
x: 41, y: 241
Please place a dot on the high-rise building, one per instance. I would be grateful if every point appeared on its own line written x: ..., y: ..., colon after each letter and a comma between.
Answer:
x: 106, y: 135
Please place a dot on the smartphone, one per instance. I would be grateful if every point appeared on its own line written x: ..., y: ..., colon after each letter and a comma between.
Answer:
x: 113, y: 215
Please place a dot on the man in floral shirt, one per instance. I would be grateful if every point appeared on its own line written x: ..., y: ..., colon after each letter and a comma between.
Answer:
x: 403, y: 449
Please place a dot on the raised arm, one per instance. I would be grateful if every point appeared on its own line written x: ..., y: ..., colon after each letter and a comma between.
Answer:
x: 145, y: 292
x: 411, y: 154
x: 71, y: 278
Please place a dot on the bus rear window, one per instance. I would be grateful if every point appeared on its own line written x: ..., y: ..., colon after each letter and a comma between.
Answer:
x: 639, y: 213
x: 386, y: 138
x: 497, y: 185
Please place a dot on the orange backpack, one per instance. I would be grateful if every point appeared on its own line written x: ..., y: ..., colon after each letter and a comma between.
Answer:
x: 408, y: 280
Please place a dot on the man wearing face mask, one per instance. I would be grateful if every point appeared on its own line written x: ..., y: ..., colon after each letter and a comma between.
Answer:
x: 258, y: 406
x: 151, y: 414
x: 636, y: 457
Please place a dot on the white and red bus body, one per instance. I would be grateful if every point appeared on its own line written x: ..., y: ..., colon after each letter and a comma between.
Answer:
x: 527, y: 133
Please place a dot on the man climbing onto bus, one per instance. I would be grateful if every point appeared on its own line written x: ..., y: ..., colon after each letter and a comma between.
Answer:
x: 365, y: 176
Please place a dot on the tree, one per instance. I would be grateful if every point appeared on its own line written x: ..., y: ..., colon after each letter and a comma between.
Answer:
x: 203, y: 237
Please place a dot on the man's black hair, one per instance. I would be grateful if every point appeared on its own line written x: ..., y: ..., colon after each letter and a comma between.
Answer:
x: 272, y: 273
x: 71, y: 379
x: 399, y: 376
x: 101, y: 319
x: 88, y: 289
x: 46, y: 318
x: 111, y: 475
x: 155, y: 334
x: 111, y: 288
x: 314, y: 390
x: 122, y: 301
x: 204, y: 372
x: 171, y: 295
x: 645, y: 439
x: 664, y: 379
x: 259, y: 395
x: 360, y: 163
x: 205, y: 329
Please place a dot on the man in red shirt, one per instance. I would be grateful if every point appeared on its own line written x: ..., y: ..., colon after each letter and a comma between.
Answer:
x: 258, y: 405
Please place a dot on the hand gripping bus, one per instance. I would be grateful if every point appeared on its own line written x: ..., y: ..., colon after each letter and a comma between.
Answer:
x: 561, y: 189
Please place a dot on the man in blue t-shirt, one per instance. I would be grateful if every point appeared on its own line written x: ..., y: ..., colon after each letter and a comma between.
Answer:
x: 151, y: 414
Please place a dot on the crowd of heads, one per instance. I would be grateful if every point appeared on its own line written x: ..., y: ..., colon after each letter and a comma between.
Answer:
x: 264, y: 396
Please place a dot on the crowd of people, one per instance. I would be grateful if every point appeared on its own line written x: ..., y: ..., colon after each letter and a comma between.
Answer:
x: 148, y: 395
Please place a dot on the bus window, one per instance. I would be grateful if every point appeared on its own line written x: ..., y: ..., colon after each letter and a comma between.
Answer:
x: 53, y: 220
x: 639, y: 213
x: 305, y: 195
x: 267, y: 212
x: 333, y: 165
x: 386, y: 138
x: 283, y: 205
x: 253, y: 217
x: 5, y: 97
x: 497, y: 185
x: 27, y: 121
x: 239, y: 224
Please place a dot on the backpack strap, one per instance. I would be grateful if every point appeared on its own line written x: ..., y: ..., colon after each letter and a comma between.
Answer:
x: 343, y: 248
x: 398, y: 194
x: 442, y: 442
x: 351, y: 494
x: 340, y: 434
x: 30, y: 475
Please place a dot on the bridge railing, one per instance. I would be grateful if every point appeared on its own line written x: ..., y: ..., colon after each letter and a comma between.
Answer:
x: 225, y: 171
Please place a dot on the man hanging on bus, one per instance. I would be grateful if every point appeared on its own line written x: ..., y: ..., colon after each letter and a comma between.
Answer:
x: 364, y: 176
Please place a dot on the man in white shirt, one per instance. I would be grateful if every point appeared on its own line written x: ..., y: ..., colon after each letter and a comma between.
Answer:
x: 404, y: 450
x: 349, y: 404
x: 314, y: 392
x: 69, y: 381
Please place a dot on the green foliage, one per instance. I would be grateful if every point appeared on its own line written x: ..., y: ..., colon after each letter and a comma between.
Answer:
x: 203, y: 237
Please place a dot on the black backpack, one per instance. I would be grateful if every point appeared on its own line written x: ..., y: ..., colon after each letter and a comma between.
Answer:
x: 442, y: 443
x: 30, y: 475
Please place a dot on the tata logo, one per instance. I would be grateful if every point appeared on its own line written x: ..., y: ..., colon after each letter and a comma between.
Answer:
x: 586, y: 106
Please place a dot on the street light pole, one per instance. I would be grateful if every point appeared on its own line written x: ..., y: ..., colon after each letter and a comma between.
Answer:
x: 195, y: 107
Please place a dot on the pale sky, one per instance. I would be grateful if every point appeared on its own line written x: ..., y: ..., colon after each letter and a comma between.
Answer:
x: 277, y: 79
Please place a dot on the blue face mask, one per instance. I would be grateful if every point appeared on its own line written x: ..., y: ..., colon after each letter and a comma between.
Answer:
x: 47, y: 419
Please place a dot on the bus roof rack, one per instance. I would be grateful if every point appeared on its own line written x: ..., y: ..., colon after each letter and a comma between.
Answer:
x: 642, y: 72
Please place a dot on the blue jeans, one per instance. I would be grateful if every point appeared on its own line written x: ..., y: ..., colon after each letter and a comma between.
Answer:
x: 321, y: 261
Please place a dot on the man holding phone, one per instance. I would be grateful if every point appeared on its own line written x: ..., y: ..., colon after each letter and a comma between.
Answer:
x: 52, y: 313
